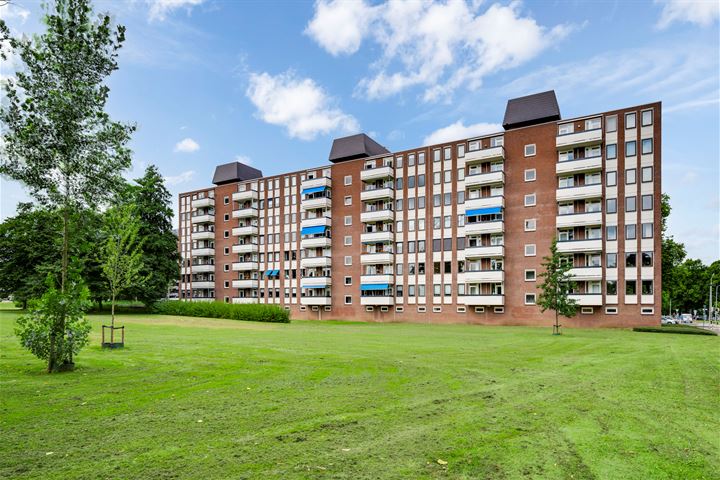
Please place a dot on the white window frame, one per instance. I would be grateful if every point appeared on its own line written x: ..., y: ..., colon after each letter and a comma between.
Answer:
x: 529, y: 295
x: 348, y: 180
x: 348, y: 261
x: 530, y: 150
x: 348, y: 200
x: 529, y: 178
x: 528, y: 247
x: 530, y: 224
x: 530, y: 200
x: 348, y: 240
x: 348, y: 220
x: 534, y: 275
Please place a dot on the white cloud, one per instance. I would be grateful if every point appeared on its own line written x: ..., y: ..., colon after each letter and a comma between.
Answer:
x: 339, y: 26
x: 159, y: 9
x: 187, y: 145
x: 8, y: 11
x: 458, y: 130
x: 183, y: 177
x: 437, y: 46
x: 298, y: 104
x: 244, y: 159
x: 699, y: 12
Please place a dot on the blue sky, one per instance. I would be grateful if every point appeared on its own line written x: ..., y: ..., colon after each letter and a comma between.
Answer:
x: 272, y: 84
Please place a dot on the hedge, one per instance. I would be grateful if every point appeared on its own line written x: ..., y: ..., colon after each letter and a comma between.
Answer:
x: 676, y: 329
x: 245, y: 312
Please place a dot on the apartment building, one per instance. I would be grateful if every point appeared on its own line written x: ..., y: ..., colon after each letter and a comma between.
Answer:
x: 454, y: 232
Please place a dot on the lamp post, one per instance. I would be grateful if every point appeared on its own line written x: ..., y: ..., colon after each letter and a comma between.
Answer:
x: 717, y: 286
x: 710, y: 298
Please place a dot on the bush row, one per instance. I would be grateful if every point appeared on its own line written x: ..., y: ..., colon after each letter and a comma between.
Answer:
x: 250, y: 312
x: 679, y: 329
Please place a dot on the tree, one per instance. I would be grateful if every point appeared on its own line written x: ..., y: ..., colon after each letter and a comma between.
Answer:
x: 556, y: 287
x: 29, y: 248
x: 121, y: 254
x: 160, y: 256
x: 673, y: 255
x: 58, y: 140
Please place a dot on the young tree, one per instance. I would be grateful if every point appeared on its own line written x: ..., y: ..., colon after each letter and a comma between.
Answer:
x: 161, y: 259
x: 57, y: 138
x: 122, y: 252
x: 556, y: 287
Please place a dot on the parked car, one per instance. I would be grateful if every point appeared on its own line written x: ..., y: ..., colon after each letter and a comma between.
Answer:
x: 686, y: 318
x: 667, y: 320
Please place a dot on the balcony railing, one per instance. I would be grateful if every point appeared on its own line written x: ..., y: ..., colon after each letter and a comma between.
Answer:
x: 578, y: 165
x: 579, y: 139
x: 482, y: 300
x: 373, y: 174
x: 578, y: 219
x: 579, y: 193
x: 484, y: 251
x: 574, y: 246
x: 488, y: 178
x: 484, y: 155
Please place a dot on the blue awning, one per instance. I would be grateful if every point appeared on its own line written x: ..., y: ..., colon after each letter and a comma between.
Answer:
x: 373, y: 286
x: 312, y: 286
x: 483, y: 211
x: 268, y: 273
x: 308, y: 191
x: 313, y: 230
x: 275, y: 273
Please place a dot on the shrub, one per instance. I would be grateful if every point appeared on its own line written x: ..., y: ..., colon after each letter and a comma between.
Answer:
x: 249, y: 312
x: 676, y: 329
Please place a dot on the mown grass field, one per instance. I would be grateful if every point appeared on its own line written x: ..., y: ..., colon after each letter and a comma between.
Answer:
x: 200, y: 398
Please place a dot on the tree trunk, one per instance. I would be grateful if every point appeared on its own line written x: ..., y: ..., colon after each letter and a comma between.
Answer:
x: 59, y: 328
x: 112, y: 312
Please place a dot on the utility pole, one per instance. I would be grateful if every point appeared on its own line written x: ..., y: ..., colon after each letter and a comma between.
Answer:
x: 710, y: 298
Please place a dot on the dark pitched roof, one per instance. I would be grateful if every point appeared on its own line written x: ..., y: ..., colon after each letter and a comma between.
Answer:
x: 234, y: 172
x: 530, y: 110
x: 355, y: 146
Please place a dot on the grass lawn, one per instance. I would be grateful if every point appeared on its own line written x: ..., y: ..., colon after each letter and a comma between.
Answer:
x: 201, y: 398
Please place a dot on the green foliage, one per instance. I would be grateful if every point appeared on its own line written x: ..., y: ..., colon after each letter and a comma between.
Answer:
x: 160, y: 256
x: 557, y: 285
x: 246, y: 312
x: 676, y: 329
x: 55, y: 329
x: 29, y: 249
x: 121, y: 253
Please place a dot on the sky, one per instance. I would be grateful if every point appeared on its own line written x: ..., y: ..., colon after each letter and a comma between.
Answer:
x: 271, y: 84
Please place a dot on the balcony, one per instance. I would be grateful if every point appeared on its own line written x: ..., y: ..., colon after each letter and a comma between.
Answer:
x: 485, y: 252
x: 316, y: 182
x: 482, y: 300
x: 244, y: 266
x: 207, y: 218
x: 377, y: 194
x: 579, y: 139
x: 249, y: 283
x: 313, y: 262
x: 203, y: 284
x: 381, y: 258
x: 575, y: 246
x: 247, y: 195
x: 205, y: 268
x: 316, y: 301
x: 314, y: 282
x: 587, y: 299
x: 484, y: 276
x: 249, y: 212
x: 578, y: 165
x: 244, y: 300
x: 318, y: 242
x: 204, y: 235
x: 377, y: 237
x: 321, y: 221
x: 380, y: 301
x: 485, y: 155
x: 496, y: 226
x: 581, y: 274
x: 203, y: 252
x: 383, y: 278
x: 203, y: 299
x: 314, y: 203
x: 203, y: 202
x: 245, y: 248
x: 374, y: 174
x: 486, y: 202
x: 579, y: 193
x: 244, y: 231
x: 480, y: 179
x: 578, y: 219
x: 377, y: 216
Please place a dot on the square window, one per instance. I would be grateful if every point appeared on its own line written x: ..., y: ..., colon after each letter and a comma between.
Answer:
x: 630, y: 233
x: 226, y: 251
x: 611, y: 123
x: 647, y: 174
x: 611, y: 151
x: 631, y: 148
x: 647, y: 118
x: 348, y: 179
x: 630, y: 205
x: 348, y: 200
x: 611, y: 179
x: 348, y: 280
x: 348, y: 260
x: 530, y: 224
x: 530, y: 150
x: 647, y: 146
x: 529, y: 299
x: 611, y: 287
x: 226, y: 284
x: 611, y: 205
x: 530, y: 275
x: 348, y: 220
x: 530, y: 200
x: 348, y: 300
x: 530, y: 250
x: 646, y: 287
x: 348, y: 240
x: 647, y: 202
x: 226, y: 200
x: 226, y: 217
x: 530, y: 175
x: 630, y: 120
x: 611, y: 260
x: 647, y: 230
x: 226, y: 267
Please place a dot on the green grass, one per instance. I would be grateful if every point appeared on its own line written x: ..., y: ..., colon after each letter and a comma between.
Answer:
x: 201, y: 398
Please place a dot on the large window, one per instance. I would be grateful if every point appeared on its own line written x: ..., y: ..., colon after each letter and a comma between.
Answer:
x: 631, y: 148
x: 647, y: 118
x: 630, y: 120
x: 647, y: 146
